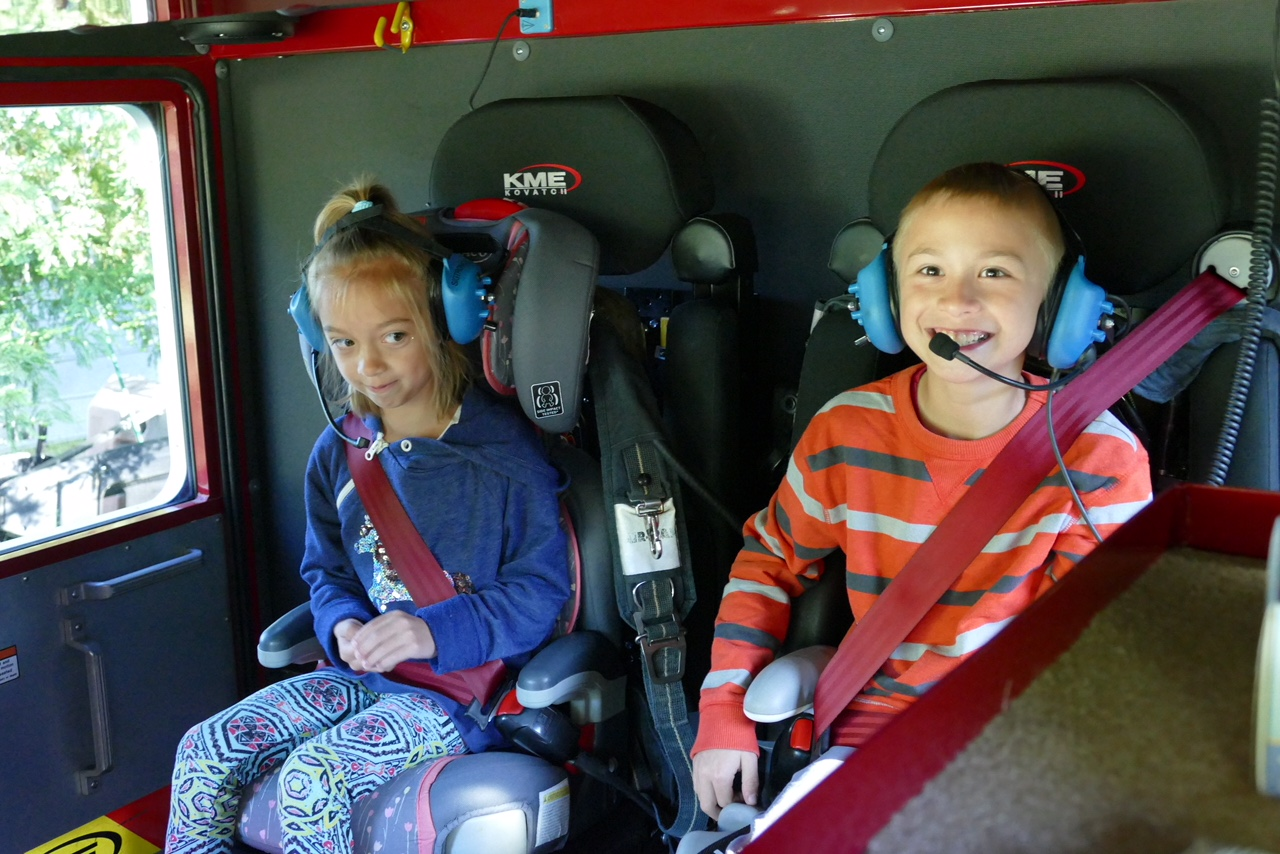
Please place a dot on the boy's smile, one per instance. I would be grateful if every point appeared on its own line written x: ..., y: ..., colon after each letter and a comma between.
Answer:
x: 976, y: 271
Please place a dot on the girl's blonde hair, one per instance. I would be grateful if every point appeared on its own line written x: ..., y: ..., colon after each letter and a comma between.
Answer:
x: 329, y: 275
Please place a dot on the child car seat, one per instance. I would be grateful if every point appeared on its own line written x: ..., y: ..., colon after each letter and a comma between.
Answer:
x: 506, y: 801
x: 635, y: 176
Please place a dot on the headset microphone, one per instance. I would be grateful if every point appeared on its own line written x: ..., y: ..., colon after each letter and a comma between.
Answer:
x: 313, y: 365
x: 944, y: 346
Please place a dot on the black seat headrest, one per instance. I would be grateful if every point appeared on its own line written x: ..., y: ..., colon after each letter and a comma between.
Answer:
x: 629, y: 171
x: 1138, y: 169
x: 712, y: 249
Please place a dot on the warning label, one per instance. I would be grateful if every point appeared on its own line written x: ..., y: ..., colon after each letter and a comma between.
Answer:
x: 102, y: 836
x: 8, y: 664
x: 553, y: 814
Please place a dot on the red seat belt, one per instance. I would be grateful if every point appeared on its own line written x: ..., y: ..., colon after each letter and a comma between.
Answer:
x: 418, y: 568
x: 1007, y: 482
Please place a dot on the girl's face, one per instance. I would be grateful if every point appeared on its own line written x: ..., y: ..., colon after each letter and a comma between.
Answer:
x: 378, y: 348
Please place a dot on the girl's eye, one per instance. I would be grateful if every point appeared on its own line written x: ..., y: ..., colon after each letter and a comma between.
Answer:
x: 397, y: 337
x: 340, y: 343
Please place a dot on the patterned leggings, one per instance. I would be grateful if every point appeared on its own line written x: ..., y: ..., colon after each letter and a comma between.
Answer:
x: 338, y: 742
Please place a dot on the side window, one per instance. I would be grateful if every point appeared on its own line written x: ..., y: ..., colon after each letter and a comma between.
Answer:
x: 92, y: 419
x: 30, y: 16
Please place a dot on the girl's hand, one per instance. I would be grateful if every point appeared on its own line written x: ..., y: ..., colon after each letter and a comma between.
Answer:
x: 344, y: 633
x: 391, y: 638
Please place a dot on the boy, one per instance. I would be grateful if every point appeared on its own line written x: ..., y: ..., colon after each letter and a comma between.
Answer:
x: 879, y: 467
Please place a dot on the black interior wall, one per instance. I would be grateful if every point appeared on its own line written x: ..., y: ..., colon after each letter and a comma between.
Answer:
x: 790, y: 116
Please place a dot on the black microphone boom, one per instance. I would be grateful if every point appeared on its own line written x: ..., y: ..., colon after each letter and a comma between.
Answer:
x: 314, y: 365
x: 946, y: 347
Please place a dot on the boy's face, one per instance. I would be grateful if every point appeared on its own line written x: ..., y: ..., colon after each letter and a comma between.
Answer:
x: 976, y: 271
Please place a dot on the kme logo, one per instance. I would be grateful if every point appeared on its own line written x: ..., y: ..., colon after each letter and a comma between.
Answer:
x: 1058, y: 179
x: 541, y: 179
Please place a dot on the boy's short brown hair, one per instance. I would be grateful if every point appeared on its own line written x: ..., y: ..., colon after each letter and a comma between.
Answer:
x: 1002, y: 185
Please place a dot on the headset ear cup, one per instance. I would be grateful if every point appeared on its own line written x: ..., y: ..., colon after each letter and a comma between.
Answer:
x: 1073, y: 324
x: 463, y: 295
x: 876, y: 305
x: 305, y: 318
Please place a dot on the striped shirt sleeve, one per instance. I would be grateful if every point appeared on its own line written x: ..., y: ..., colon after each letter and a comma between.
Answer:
x: 783, y: 547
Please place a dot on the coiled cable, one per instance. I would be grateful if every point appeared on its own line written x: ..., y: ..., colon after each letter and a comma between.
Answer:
x: 1260, y: 255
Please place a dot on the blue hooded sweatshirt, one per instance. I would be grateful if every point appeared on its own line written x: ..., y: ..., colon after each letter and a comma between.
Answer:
x: 485, y: 499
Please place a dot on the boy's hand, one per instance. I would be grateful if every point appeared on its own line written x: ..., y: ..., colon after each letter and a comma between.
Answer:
x: 391, y: 638
x: 713, y: 773
x: 344, y: 633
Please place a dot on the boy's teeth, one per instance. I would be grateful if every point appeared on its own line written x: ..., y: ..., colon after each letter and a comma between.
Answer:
x: 964, y: 339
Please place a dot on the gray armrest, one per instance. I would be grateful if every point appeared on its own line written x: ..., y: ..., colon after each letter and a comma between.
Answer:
x: 785, y: 687
x: 582, y: 669
x: 290, y: 640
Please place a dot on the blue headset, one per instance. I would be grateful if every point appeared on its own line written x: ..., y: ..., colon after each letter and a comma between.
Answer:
x: 462, y: 308
x: 1067, y: 325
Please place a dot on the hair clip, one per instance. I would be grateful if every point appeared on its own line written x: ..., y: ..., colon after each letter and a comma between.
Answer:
x: 363, y: 204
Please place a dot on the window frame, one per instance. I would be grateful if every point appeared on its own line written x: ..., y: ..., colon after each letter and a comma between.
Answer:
x: 185, y: 118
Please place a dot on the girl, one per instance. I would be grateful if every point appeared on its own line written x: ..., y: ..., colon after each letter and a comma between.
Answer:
x: 473, y: 478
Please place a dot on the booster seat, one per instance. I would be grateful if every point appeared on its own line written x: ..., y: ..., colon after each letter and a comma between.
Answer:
x: 1108, y: 147
x: 505, y: 801
x: 634, y: 176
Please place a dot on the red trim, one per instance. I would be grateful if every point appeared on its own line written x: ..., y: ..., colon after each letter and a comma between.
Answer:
x: 510, y: 705
x: 802, y: 734
x: 179, y: 134
x: 486, y: 210
x: 852, y: 805
x: 148, y: 817
x: 452, y: 21
x: 426, y: 824
x: 572, y: 533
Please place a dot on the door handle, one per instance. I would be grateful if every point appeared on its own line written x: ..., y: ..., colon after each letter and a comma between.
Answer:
x: 92, y: 591
x: 73, y: 633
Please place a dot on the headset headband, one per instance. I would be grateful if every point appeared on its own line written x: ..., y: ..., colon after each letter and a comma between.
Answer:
x: 372, y: 217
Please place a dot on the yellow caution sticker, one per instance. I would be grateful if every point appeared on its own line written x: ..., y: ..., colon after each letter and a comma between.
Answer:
x: 100, y: 836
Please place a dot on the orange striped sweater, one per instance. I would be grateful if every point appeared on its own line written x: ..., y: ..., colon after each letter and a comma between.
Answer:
x: 869, y: 478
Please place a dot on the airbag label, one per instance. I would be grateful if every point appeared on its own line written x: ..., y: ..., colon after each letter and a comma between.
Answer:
x: 547, y: 400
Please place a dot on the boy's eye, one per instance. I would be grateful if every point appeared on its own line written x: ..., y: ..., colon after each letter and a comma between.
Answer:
x: 993, y: 273
x: 930, y: 270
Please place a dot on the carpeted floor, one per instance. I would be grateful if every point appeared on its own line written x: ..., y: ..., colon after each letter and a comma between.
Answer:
x: 1139, y: 739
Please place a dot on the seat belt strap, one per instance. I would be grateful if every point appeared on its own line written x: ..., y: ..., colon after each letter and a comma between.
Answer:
x: 654, y: 583
x: 422, y: 574
x: 417, y: 565
x: 1005, y: 485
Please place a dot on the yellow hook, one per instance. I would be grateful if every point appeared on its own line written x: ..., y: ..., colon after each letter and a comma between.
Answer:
x: 401, y: 23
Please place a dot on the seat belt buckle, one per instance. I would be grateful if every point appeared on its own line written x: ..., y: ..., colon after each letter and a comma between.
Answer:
x: 650, y: 511
x: 662, y: 670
